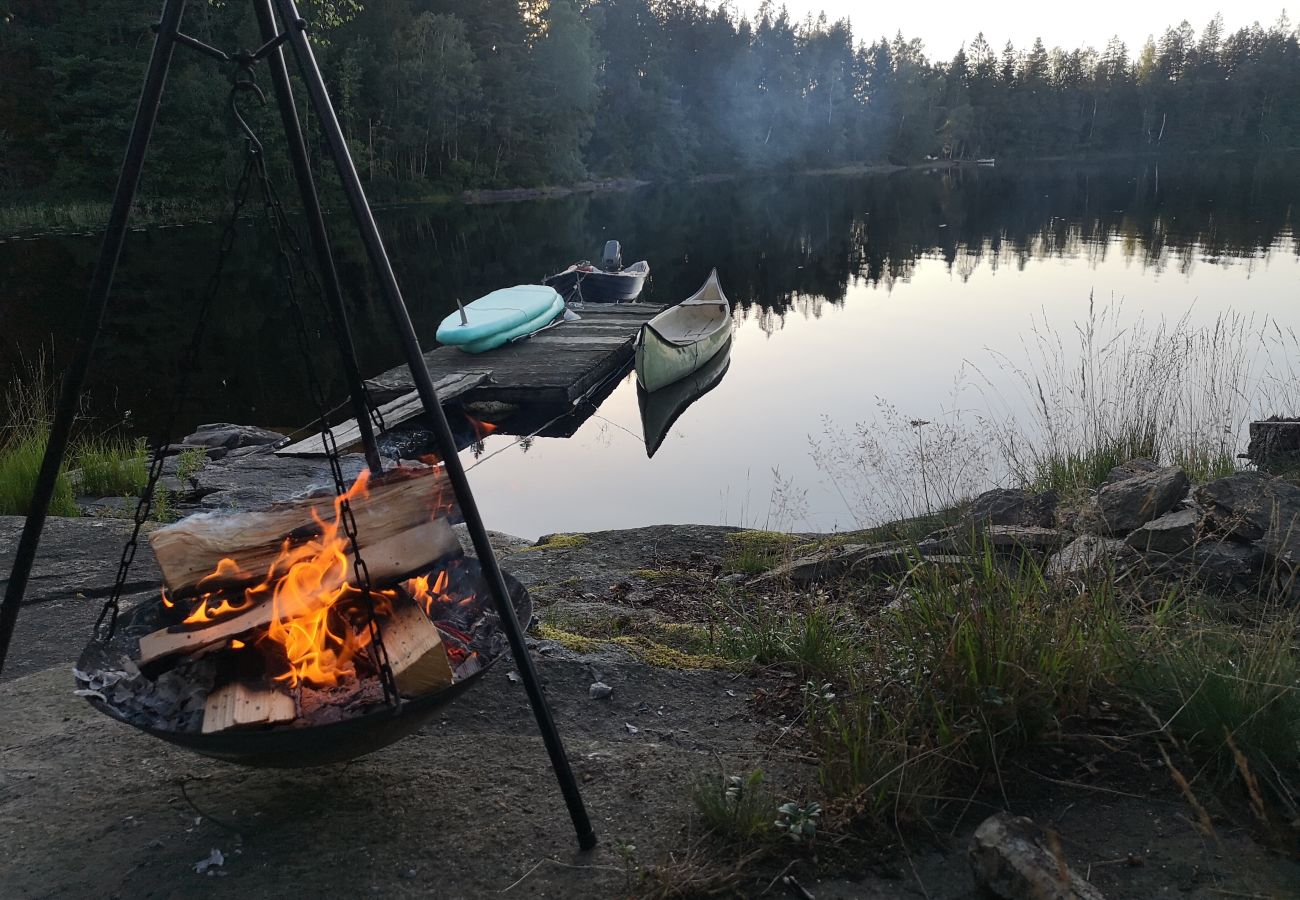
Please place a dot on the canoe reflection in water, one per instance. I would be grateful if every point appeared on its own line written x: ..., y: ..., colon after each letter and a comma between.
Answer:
x: 661, y: 409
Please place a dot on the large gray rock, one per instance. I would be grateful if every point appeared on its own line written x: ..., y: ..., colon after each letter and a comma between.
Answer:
x: 225, y: 434
x: 1216, y: 564
x: 1131, y: 469
x: 1255, y: 507
x: 1012, y: 506
x: 253, y: 482
x: 1091, y: 554
x: 1013, y: 858
x: 1124, y: 505
x: 1173, y: 532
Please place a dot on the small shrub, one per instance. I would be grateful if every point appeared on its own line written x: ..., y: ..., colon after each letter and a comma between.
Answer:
x: 190, y: 462
x: 816, y: 639
x: 798, y: 823
x: 755, y: 552
x: 736, y: 809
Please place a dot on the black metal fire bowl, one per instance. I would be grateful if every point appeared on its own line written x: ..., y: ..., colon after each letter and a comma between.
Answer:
x: 298, y: 746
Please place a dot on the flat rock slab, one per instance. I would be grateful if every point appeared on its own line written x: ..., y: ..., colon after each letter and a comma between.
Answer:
x: 254, y: 481
x: 1171, y: 533
x: 76, y: 556
x: 464, y: 808
x: 1255, y: 507
x: 1090, y: 553
x: 1000, y: 538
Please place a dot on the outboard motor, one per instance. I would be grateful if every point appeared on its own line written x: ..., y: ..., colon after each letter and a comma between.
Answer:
x: 612, y: 259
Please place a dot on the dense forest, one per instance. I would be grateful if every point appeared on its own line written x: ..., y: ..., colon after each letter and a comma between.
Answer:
x: 438, y: 95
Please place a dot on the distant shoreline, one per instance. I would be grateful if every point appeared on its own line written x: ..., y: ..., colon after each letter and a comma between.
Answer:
x: 31, y: 219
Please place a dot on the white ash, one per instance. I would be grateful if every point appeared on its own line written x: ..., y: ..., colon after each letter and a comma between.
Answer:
x: 172, y: 702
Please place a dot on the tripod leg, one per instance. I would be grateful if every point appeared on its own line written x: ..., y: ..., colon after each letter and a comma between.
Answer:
x: 433, y: 408
x: 319, y: 238
x: 128, y: 180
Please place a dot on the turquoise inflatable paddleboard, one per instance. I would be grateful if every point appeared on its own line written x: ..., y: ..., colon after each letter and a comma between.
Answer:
x: 535, y: 324
x: 499, y: 312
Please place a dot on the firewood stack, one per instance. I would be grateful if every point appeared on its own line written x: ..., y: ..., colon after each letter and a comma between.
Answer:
x: 221, y: 571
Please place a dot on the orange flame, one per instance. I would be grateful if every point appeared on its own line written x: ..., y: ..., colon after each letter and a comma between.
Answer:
x: 203, y: 614
x: 315, y: 633
x: 307, y: 581
x: 428, y: 597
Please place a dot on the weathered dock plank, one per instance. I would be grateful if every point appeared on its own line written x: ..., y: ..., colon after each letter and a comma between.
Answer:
x: 555, y: 367
x: 348, y: 436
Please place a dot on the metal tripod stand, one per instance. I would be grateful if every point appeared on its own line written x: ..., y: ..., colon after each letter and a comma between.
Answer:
x: 281, y: 24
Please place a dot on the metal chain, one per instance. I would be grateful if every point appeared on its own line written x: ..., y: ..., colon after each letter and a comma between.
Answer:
x: 289, y: 249
x: 190, y: 362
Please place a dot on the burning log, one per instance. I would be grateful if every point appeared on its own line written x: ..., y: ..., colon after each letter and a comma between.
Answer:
x: 401, y: 527
x: 241, y: 705
x: 183, y: 639
x: 415, y: 651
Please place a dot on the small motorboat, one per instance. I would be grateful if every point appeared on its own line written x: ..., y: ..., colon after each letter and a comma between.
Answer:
x: 684, y: 337
x: 609, y: 282
x: 501, y: 316
x: 661, y: 410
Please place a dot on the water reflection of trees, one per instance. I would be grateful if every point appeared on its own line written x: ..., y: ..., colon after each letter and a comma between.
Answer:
x: 783, y: 246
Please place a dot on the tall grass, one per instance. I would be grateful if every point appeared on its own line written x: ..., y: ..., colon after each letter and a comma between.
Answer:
x: 1108, y: 391
x: 111, y: 467
x: 20, y: 463
x: 971, y: 663
x: 105, y: 465
x: 29, y: 410
x: 1231, y: 696
x: 1066, y: 408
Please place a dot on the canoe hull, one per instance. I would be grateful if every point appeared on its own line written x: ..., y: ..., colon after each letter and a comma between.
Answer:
x: 684, y: 337
x: 659, y: 363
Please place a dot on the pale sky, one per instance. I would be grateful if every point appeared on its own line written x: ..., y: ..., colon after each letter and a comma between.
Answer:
x: 944, y: 25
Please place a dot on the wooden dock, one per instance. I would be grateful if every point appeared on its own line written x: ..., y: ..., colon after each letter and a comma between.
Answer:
x: 557, y: 367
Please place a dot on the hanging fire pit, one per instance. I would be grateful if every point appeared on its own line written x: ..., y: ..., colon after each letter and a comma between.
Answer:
x: 261, y: 649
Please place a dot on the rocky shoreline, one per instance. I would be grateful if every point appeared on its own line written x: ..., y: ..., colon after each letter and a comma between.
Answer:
x: 1237, y: 533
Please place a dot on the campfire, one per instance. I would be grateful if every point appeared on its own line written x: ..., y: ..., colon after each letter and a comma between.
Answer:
x: 262, y: 622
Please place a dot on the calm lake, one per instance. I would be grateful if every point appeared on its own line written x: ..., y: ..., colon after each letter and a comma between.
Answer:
x: 861, y: 304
